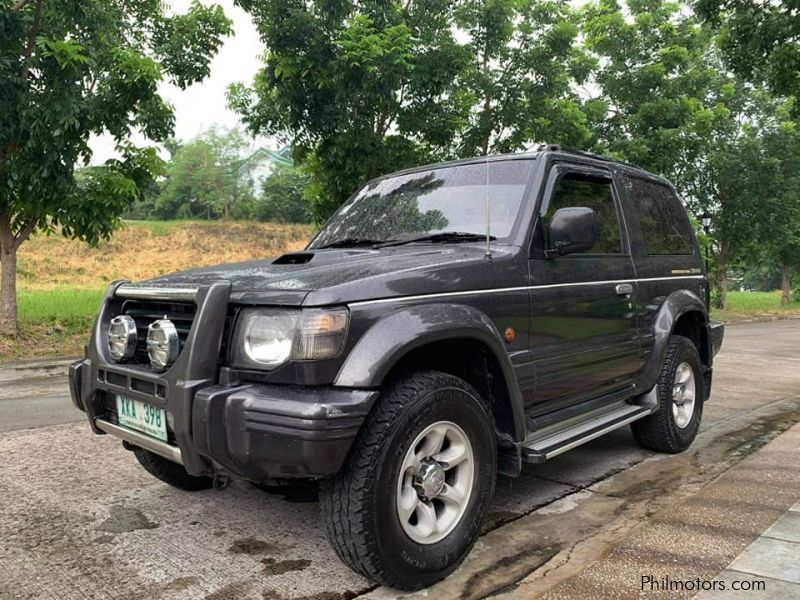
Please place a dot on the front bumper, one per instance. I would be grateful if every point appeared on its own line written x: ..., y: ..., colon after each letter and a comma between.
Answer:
x: 254, y: 431
x: 263, y: 431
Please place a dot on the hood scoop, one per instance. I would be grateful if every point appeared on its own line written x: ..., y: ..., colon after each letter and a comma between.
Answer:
x: 321, y: 258
x: 295, y: 258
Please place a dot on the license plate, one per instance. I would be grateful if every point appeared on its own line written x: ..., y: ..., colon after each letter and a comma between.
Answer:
x: 140, y: 416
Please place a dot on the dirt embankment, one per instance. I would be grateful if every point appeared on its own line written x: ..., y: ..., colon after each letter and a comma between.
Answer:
x: 144, y: 250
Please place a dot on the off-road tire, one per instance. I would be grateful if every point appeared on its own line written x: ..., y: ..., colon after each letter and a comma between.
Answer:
x: 170, y: 472
x: 358, y: 504
x: 659, y: 431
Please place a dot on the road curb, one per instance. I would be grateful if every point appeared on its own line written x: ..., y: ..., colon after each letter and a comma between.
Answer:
x: 761, y: 319
x: 26, y: 369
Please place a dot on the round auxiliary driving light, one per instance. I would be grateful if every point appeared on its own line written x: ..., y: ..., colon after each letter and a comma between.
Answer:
x: 122, y: 338
x: 163, y: 344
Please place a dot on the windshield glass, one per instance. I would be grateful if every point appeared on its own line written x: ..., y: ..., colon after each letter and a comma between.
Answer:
x: 448, y: 199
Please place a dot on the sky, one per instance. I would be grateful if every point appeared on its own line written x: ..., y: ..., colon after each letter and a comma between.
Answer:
x: 204, y: 104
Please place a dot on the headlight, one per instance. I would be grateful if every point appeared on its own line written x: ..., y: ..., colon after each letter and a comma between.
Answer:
x: 271, y: 337
x: 122, y: 338
x: 268, y: 336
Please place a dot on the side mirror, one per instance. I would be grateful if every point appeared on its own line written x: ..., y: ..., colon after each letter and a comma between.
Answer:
x: 572, y: 230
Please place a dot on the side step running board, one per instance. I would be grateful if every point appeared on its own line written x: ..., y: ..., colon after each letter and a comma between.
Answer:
x: 559, y: 437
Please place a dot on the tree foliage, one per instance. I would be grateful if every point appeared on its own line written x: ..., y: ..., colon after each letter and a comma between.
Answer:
x: 70, y: 69
x: 203, y: 177
x: 520, y: 75
x: 779, y: 240
x: 364, y: 88
x: 662, y: 94
x: 218, y: 175
x: 285, y: 196
x: 761, y: 40
x: 672, y: 107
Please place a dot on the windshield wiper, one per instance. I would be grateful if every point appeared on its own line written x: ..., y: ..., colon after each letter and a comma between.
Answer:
x: 349, y: 243
x: 442, y: 237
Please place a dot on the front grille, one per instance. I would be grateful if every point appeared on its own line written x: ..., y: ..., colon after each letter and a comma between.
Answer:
x: 145, y: 312
x: 182, y: 314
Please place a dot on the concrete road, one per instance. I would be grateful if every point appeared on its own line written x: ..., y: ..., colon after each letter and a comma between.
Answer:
x: 81, y: 519
x: 36, y: 402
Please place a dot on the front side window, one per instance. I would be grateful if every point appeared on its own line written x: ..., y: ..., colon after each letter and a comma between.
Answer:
x: 665, y: 227
x: 578, y: 190
x: 446, y: 199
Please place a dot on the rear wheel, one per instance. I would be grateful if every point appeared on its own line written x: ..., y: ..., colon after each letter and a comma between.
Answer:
x: 170, y: 472
x: 673, y: 427
x: 409, y: 502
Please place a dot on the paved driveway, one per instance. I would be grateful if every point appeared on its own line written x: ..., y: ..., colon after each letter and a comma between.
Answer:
x: 81, y: 519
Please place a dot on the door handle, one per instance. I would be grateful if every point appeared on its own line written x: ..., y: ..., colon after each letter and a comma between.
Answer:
x: 624, y: 289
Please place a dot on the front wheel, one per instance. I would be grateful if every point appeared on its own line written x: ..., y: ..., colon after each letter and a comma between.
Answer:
x: 409, y: 502
x: 673, y: 427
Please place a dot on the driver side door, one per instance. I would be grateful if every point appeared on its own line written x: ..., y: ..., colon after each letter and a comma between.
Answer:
x: 584, y: 340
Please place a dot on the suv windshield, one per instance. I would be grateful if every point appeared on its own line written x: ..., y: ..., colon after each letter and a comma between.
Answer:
x: 443, y: 200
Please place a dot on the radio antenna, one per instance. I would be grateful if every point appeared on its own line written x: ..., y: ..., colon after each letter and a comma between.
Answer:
x: 488, y: 212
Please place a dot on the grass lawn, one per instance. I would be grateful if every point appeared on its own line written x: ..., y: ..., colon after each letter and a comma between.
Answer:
x: 58, y: 306
x: 52, y: 322
x: 743, y: 306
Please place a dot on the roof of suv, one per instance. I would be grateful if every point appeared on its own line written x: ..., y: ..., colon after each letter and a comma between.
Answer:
x: 584, y: 156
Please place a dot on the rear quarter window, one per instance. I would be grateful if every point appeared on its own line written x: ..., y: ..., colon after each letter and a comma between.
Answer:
x: 665, y: 226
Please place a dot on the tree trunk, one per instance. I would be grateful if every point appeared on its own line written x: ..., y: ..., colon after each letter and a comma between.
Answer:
x: 723, y: 290
x: 8, y: 281
x: 786, y: 284
x: 722, y: 278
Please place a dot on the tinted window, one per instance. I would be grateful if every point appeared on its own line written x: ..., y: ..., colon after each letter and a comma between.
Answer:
x: 444, y: 199
x: 574, y: 190
x: 665, y: 227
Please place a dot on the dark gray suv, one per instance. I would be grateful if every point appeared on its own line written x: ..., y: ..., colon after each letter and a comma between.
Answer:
x: 447, y: 324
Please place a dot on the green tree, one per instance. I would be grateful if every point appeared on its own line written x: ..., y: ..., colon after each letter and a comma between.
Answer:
x: 284, y: 197
x: 661, y: 95
x: 671, y: 107
x: 70, y: 69
x: 364, y: 88
x: 779, y: 238
x: 202, y: 178
x: 761, y: 40
x: 737, y: 178
x: 751, y: 185
x: 517, y: 86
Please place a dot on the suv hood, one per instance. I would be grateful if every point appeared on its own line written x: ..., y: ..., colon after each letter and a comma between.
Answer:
x: 339, y: 276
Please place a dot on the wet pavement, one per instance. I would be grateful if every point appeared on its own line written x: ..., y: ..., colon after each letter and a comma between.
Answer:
x: 81, y: 519
x: 769, y: 566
